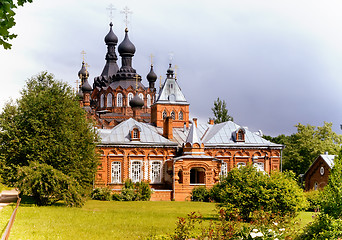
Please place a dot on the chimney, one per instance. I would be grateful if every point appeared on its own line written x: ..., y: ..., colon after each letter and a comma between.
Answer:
x: 195, y: 121
x: 211, y: 121
x: 167, y: 128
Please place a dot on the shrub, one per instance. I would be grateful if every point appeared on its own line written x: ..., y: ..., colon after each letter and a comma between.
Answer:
x: 140, y: 191
x: 246, y: 190
x: 143, y: 191
x: 200, y: 194
x: 314, y: 200
x: 48, y: 185
x: 102, y: 194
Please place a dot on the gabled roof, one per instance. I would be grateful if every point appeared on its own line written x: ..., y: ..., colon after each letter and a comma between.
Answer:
x: 171, y: 93
x: 120, y: 135
x: 328, y: 159
x: 193, y: 136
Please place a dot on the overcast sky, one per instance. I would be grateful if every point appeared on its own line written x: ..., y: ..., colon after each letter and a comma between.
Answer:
x: 275, y: 63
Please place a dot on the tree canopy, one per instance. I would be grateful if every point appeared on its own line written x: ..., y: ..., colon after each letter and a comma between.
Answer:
x: 220, y: 111
x: 46, y: 129
x: 7, y: 20
x: 304, y: 146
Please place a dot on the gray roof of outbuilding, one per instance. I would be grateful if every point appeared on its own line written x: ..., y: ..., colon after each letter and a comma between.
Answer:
x: 329, y: 159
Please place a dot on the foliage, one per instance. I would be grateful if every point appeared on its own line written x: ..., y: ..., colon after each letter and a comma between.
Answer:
x: 7, y: 20
x: 304, y: 146
x: 220, y: 111
x: 200, y: 194
x: 246, y: 190
x: 103, y: 194
x: 314, y: 200
x: 47, y: 126
x: 48, y: 185
x: 139, y: 191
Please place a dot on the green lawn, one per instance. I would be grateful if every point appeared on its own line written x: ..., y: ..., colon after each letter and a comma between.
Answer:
x: 101, y: 220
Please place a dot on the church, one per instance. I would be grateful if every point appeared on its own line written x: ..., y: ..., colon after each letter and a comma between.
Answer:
x: 146, y: 133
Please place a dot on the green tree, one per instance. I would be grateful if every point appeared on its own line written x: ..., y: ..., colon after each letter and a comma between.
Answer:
x: 220, y: 111
x: 47, y: 127
x: 303, y: 147
x: 7, y: 20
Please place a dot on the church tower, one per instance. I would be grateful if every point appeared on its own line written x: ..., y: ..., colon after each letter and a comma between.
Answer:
x: 171, y: 102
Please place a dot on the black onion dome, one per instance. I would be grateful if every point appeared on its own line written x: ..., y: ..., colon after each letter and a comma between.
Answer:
x: 151, y: 76
x: 136, y: 101
x: 111, y: 37
x: 86, y: 87
x: 170, y: 72
x: 83, y: 73
x: 126, y: 47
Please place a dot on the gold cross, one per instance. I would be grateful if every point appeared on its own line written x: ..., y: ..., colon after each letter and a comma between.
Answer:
x: 170, y: 56
x: 77, y: 87
x: 126, y: 11
x: 83, y: 53
x: 111, y: 8
x: 176, y: 67
x: 151, y: 57
x: 136, y: 81
x: 87, y: 65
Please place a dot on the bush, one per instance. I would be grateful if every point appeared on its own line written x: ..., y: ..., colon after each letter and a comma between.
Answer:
x: 102, y: 194
x: 200, y: 194
x: 246, y: 190
x: 314, y: 200
x: 140, y: 191
x: 48, y: 185
x: 143, y: 191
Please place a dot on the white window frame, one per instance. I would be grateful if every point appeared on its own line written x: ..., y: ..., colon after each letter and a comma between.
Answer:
x: 156, y: 177
x: 136, y: 172
x: 116, y: 172
x: 148, y: 100
x: 141, y: 96
x: 109, y: 100
x: 129, y: 98
x: 259, y: 165
x: 102, y: 101
x: 224, y: 169
x: 119, y: 100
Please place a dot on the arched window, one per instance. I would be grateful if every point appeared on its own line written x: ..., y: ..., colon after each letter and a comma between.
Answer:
x: 164, y: 114
x: 156, y: 172
x: 141, y: 96
x: 135, y: 134
x: 116, y: 172
x: 102, y: 101
x: 119, y: 100
x: 240, y: 135
x: 224, y: 170
x: 173, y: 115
x: 148, y: 99
x: 129, y: 98
x: 316, y: 186
x: 180, y: 115
x: 197, y: 175
x: 109, y: 100
x: 136, y: 171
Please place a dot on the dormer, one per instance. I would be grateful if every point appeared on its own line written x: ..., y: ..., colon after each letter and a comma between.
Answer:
x: 135, y: 133
x: 239, y: 135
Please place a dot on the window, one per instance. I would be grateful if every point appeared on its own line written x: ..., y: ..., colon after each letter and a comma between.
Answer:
x: 141, y: 96
x: 173, y: 115
x: 148, y: 100
x: 316, y: 186
x: 197, y: 176
x: 321, y: 171
x: 129, y: 98
x: 164, y: 114
x: 259, y: 166
x: 224, y: 170
x: 135, y: 134
x: 240, y: 135
x: 180, y: 115
x: 119, y: 100
x: 109, y: 100
x: 136, y: 171
x: 156, y: 172
x: 241, y: 164
x: 116, y: 172
x: 102, y: 101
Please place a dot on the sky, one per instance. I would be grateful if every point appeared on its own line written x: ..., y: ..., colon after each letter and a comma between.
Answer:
x: 275, y: 63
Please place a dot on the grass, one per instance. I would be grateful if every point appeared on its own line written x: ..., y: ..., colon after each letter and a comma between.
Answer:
x: 102, y: 220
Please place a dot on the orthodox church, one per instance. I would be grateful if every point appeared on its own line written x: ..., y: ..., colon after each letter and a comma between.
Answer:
x: 146, y: 134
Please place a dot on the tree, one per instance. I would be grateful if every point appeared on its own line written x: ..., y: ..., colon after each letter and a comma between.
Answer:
x: 47, y: 128
x: 7, y: 20
x: 220, y: 111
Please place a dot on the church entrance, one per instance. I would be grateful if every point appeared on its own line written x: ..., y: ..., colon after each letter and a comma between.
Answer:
x: 197, y: 175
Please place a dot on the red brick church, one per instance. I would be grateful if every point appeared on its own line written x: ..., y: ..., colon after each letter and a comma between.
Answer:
x: 146, y: 133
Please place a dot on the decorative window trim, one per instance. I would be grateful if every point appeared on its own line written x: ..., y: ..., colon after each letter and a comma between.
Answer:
x: 136, y: 176
x: 321, y: 171
x: 119, y: 98
x: 180, y: 115
x: 141, y: 96
x: 109, y: 100
x: 152, y: 173
x: 224, y: 169
x: 135, y: 133
x: 102, y: 101
x: 116, y: 173
x: 148, y: 100
x: 129, y: 98
x: 240, y: 135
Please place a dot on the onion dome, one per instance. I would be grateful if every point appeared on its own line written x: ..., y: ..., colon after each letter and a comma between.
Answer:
x: 169, y: 73
x: 111, y: 38
x: 151, y: 76
x: 83, y: 73
x: 79, y: 94
x: 136, y: 102
x: 86, y: 86
x: 126, y: 47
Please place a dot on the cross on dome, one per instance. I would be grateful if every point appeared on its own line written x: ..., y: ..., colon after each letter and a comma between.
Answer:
x: 110, y: 8
x: 126, y: 11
